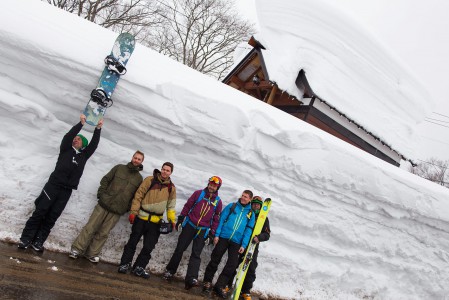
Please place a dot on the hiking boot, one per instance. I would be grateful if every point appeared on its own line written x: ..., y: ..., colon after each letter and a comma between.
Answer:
x: 23, y: 244
x: 207, y: 287
x: 38, y: 246
x: 191, y: 283
x: 124, y: 268
x: 139, y: 271
x: 74, y: 254
x: 93, y: 259
x: 245, y: 296
x: 220, y: 292
x: 167, y: 275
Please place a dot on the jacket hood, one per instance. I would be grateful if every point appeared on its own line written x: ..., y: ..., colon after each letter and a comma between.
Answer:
x: 157, y: 174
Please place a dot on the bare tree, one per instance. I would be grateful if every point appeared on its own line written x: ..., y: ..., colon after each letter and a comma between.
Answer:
x: 434, y: 170
x: 201, y: 34
x: 119, y: 15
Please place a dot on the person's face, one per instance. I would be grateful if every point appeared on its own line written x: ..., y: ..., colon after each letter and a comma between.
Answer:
x: 137, y: 159
x: 165, y: 172
x: 77, y: 143
x: 255, y: 206
x: 245, y: 199
x: 212, y: 187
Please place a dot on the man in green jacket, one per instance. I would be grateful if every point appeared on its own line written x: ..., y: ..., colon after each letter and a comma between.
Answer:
x: 115, y: 193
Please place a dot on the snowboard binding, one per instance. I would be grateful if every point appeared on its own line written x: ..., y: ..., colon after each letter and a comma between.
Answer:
x: 114, y: 65
x: 99, y: 96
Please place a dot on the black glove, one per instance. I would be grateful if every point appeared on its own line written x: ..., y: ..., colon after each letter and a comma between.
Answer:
x: 178, y: 225
x: 210, y: 239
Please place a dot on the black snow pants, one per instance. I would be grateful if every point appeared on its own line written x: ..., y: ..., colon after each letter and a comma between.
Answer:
x: 222, y: 246
x: 188, y: 234
x: 150, y: 233
x: 49, y: 206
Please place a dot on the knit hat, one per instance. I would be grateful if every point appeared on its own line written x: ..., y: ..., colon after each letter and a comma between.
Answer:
x: 257, y: 199
x: 85, y: 141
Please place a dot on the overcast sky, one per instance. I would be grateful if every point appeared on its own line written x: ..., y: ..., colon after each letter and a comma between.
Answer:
x: 419, y: 38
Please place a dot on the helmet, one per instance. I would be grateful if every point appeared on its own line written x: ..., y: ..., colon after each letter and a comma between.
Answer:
x: 257, y: 199
x: 216, y: 180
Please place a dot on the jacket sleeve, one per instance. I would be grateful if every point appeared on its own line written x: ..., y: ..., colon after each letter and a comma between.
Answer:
x: 189, y: 204
x: 248, y: 231
x: 224, y: 215
x: 90, y: 149
x: 265, y: 234
x: 105, y: 181
x: 67, y: 140
x: 171, y: 205
x: 139, y: 195
x: 216, y: 217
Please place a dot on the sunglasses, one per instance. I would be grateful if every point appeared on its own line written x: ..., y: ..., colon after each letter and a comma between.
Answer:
x: 214, y: 179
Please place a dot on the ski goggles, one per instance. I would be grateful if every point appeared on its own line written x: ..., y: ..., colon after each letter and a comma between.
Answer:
x: 214, y: 179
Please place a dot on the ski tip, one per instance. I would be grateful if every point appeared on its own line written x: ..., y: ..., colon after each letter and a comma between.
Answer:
x: 267, y: 200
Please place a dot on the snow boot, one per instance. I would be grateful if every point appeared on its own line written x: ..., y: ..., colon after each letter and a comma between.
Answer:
x: 124, y: 268
x: 190, y: 283
x: 140, y: 272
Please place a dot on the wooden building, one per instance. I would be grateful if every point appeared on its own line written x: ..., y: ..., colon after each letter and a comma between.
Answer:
x: 251, y: 77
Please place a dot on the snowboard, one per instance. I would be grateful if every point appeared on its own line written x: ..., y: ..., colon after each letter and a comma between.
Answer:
x: 100, y: 97
x: 243, y: 267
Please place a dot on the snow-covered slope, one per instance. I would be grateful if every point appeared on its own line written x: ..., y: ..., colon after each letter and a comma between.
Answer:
x: 345, y: 225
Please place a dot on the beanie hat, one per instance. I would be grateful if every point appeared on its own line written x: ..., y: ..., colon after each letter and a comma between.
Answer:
x: 257, y: 199
x: 216, y: 180
x: 85, y: 141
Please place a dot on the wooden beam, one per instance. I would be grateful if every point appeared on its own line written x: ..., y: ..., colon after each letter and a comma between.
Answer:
x: 272, y: 94
x: 235, y: 79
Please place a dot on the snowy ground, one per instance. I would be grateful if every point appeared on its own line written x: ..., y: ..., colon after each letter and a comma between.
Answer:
x: 345, y: 225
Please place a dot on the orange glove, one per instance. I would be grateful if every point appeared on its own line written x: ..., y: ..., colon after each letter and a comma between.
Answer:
x: 131, y: 218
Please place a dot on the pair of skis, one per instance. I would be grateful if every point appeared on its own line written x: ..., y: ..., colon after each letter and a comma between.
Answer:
x: 244, y: 265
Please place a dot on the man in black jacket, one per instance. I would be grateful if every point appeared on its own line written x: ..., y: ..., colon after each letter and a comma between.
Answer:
x: 73, y: 155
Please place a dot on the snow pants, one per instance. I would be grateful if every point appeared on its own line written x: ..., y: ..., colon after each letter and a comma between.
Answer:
x: 188, y: 234
x: 150, y: 233
x: 49, y: 206
x: 222, y: 246
x: 94, y: 234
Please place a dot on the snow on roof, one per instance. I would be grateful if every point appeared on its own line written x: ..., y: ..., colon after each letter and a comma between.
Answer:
x: 345, y: 65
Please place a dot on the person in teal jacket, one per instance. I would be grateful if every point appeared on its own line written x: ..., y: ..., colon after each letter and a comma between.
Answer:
x: 232, y: 235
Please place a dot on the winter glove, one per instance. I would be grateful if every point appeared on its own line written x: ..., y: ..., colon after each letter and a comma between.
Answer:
x: 131, y: 218
x: 255, y: 239
x: 210, y: 239
x: 178, y: 225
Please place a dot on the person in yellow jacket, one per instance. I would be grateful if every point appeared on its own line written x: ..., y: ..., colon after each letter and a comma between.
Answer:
x: 154, y: 196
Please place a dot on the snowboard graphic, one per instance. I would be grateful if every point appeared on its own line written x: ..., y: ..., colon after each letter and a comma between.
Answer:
x: 100, y: 97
